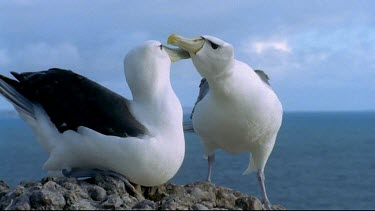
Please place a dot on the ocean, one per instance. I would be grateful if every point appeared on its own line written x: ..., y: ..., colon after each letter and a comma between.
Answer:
x: 321, y: 160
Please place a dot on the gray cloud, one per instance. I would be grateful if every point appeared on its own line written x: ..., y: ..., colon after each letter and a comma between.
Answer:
x: 331, y: 43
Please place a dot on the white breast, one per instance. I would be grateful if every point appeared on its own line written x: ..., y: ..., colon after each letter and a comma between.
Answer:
x: 245, y: 113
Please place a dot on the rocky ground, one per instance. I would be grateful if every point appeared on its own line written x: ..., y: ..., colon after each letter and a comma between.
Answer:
x: 104, y: 192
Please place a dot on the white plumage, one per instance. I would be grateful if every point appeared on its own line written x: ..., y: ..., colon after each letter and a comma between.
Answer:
x: 240, y: 113
x: 149, y: 159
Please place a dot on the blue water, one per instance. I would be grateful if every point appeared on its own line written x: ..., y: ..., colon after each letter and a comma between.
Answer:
x: 320, y: 161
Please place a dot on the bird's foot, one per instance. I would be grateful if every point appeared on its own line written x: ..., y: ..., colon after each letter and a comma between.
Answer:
x: 126, y: 182
x: 79, y: 173
x: 208, y: 179
x: 267, y: 205
x: 84, y: 174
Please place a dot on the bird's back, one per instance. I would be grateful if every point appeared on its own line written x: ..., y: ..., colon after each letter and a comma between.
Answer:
x: 72, y: 100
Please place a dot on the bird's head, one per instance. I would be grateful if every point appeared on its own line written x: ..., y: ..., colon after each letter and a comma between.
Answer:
x: 211, y: 56
x: 149, y: 63
x: 152, y: 54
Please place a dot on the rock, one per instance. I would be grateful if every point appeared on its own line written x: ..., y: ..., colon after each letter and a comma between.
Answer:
x: 249, y: 203
x: 19, y: 191
x: 169, y: 204
x: 145, y: 205
x: 71, y: 197
x: 201, y: 191
x: 21, y: 203
x: 105, y: 192
x: 97, y: 193
x: 112, y: 202
x: 111, y: 185
x: 225, y: 198
x: 4, y: 189
x: 199, y: 206
x: 34, y: 185
x: 47, y: 179
x: 82, y: 205
x: 3, y: 186
x: 71, y: 186
x: 207, y: 204
x: 45, y: 199
x: 129, y: 202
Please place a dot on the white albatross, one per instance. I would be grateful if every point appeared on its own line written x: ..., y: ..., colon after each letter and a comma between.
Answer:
x: 240, y: 112
x: 84, y: 126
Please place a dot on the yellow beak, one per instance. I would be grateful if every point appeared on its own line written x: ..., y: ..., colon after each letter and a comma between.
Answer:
x: 190, y: 45
x: 176, y: 54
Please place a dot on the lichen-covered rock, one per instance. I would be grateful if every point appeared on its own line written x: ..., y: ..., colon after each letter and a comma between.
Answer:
x: 249, y: 203
x: 47, y: 199
x: 112, y: 202
x: 105, y: 192
x: 97, y: 193
x: 4, y: 186
x: 199, y: 206
x: 4, y: 189
x: 111, y: 185
x: 20, y: 203
x: 145, y: 205
x: 82, y: 205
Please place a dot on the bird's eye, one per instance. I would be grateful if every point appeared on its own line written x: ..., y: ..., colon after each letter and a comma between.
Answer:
x: 214, y: 45
x: 161, y: 47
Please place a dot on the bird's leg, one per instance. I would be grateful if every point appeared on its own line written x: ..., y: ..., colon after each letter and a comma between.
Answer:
x: 138, y: 188
x: 80, y: 173
x: 126, y: 182
x: 266, y: 202
x: 83, y: 174
x: 211, y: 160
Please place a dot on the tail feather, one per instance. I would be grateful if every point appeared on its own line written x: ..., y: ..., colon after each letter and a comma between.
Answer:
x: 251, y: 166
x: 21, y: 77
x: 18, y: 76
x: 7, y: 88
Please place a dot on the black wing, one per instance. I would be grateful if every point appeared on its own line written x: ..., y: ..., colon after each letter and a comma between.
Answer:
x: 71, y: 100
x: 203, y: 90
x: 262, y: 75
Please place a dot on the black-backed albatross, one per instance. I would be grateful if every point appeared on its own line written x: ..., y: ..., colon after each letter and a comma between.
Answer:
x: 84, y: 126
x: 240, y: 112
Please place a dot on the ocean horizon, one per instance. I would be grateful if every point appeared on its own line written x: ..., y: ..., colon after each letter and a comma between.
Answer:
x: 321, y: 160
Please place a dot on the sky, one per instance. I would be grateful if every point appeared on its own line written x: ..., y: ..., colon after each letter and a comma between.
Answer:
x: 319, y: 55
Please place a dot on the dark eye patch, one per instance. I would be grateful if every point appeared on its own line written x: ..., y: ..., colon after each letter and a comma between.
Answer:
x: 214, y: 45
x: 161, y: 47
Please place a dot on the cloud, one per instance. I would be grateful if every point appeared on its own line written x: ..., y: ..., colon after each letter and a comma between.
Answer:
x: 299, y: 45
x: 274, y: 56
x: 44, y: 55
x: 262, y: 46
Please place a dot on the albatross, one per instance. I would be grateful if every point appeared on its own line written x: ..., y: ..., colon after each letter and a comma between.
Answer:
x: 239, y: 112
x: 85, y: 127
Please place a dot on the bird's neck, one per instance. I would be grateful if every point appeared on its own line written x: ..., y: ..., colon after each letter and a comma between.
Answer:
x: 219, y: 82
x: 160, y: 108
x: 150, y: 90
x: 227, y: 81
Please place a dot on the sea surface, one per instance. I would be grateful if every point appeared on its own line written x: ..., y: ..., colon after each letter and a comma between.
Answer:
x: 320, y: 161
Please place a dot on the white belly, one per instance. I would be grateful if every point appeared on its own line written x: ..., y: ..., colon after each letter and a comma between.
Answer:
x: 236, y: 125
x: 148, y: 161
